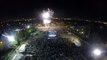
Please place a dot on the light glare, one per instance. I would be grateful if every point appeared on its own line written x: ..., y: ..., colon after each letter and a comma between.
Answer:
x: 46, y: 15
x: 97, y: 52
x: 46, y: 21
x: 28, y: 26
x: 11, y: 38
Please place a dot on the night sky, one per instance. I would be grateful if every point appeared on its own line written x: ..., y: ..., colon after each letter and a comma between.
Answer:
x: 92, y: 9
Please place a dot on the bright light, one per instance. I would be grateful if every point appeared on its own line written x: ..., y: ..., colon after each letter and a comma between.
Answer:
x: 1, y: 42
x: 46, y: 15
x: 28, y: 26
x: 46, y: 21
x: 97, y: 52
x: 10, y: 38
x: 22, y: 48
x: 82, y: 32
x: 52, y: 33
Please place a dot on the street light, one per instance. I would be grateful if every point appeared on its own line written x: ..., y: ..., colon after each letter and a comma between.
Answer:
x: 10, y: 38
x: 28, y: 26
x: 97, y: 52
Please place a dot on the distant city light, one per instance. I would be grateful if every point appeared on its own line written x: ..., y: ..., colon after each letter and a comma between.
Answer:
x: 1, y: 42
x: 28, y: 26
x: 77, y: 30
x: 82, y: 32
x: 97, y: 52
